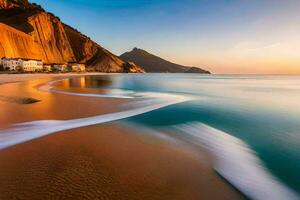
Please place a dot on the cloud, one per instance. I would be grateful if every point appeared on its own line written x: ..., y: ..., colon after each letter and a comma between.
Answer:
x: 270, y: 46
x: 246, y: 47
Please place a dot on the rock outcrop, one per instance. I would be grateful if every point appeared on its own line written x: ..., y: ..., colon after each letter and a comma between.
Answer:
x: 28, y: 31
x: 50, y: 33
x: 153, y: 63
x: 15, y: 43
x: 5, y: 4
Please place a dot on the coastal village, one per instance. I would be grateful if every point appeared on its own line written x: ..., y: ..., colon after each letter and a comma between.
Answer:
x: 22, y: 65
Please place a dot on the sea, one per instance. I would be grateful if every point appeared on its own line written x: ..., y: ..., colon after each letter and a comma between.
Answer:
x: 249, y: 124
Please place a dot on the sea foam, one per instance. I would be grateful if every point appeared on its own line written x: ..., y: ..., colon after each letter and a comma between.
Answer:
x: 236, y: 162
x: 22, y: 132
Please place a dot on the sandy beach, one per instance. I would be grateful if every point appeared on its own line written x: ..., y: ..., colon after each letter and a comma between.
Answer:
x: 105, y: 161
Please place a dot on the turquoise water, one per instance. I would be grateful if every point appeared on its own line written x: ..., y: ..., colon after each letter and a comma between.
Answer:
x: 261, y: 111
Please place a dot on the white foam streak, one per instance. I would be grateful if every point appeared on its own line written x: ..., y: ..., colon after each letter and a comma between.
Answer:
x: 113, y: 93
x: 237, y: 163
x: 23, y: 132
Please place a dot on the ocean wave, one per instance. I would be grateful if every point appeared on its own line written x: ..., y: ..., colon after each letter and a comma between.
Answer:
x: 22, y: 132
x: 236, y: 162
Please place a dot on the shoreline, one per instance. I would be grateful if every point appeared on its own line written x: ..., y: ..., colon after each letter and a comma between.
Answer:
x: 108, y: 160
x: 10, y: 78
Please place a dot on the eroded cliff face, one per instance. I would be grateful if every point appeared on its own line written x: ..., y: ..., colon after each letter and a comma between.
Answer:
x: 79, y: 41
x: 14, y: 43
x: 27, y: 31
x: 96, y: 56
x: 50, y: 33
x: 5, y: 5
x: 48, y: 40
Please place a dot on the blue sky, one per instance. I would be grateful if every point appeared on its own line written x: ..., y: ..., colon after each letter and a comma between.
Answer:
x: 224, y: 36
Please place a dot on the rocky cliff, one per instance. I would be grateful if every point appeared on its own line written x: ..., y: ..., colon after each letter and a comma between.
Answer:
x: 14, y: 43
x: 28, y: 31
x: 153, y: 63
x: 4, y: 4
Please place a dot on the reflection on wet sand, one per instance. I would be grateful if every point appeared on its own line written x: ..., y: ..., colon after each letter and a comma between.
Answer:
x: 51, y: 106
x: 85, y: 82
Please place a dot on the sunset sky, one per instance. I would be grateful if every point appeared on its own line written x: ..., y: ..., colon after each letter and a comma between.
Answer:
x: 224, y: 36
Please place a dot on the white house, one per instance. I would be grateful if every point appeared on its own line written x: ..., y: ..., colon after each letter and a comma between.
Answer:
x: 78, y: 67
x: 27, y: 65
x: 60, y: 67
x: 11, y: 64
x: 47, y: 68
x: 31, y: 65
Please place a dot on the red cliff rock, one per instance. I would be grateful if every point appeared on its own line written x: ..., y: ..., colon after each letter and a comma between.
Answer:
x: 28, y: 31
x: 15, y: 43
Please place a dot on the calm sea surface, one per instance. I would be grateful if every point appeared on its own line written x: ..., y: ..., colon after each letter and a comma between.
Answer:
x: 261, y: 111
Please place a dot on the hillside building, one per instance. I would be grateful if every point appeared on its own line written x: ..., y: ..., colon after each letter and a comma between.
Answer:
x: 60, y: 67
x: 47, y: 68
x: 27, y: 65
x: 31, y: 65
x: 77, y: 67
x: 11, y: 64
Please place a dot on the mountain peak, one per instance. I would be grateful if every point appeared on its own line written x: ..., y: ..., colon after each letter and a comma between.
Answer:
x: 136, y: 49
x: 139, y: 52
x: 153, y: 63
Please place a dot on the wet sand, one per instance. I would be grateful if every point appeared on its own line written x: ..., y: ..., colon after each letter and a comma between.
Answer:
x: 11, y: 78
x: 107, y: 161
x: 50, y: 105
